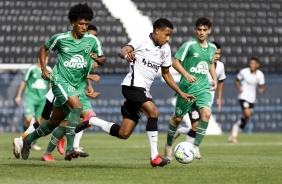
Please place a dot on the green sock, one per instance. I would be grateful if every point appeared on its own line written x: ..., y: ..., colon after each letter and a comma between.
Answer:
x: 44, y: 129
x: 58, y: 133
x: 170, y: 134
x: 72, y: 122
x: 200, y: 132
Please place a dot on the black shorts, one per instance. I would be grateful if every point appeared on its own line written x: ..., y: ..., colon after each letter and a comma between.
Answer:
x: 246, y: 105
x: 48, y: 108
x: 194, y: 114
x: 135, y: 97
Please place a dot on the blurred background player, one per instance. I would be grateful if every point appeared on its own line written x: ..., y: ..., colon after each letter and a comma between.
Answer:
x: 194, y: 114
x: 246, y: 83
x: 145, y: 55
x: 193, y: 61
x: 35, y: 91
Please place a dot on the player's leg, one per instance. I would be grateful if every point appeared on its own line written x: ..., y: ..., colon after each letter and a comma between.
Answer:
x: 194, y: 116
x: 247, y: 109
x: 58, y: 133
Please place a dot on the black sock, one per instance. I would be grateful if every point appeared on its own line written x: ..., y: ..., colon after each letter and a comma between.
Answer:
x: 191, y: 133
x: 114, y: 131
x: 36, y: 125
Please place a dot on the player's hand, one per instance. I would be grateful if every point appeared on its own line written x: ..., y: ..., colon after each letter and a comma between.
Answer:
x: 218, y: 102
x: 129, y: 57
x: 187, y: 97
x: 94, y: 77
x: 92, y: 95
x: 214, y: 84
x: 240, y: 90
x: 46, y: 74
x: 95, y: 66
x: 18, y: 100
x: 191, y: 78
x: 90, y: 89
x: 94, y: 56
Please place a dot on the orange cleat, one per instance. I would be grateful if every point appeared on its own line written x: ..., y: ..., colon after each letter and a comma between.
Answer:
x: 47, y: 158
x: 61, y: 146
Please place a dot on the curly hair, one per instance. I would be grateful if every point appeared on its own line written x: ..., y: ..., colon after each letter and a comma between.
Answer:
x: 162, y: 23
x: 82, y: 11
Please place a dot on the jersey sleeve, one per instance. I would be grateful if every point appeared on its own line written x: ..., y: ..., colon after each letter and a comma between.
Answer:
x: 52, y: 43
x: 240, y: 75
x: 135, y: 44
x: 27, y: 74
x: 261, y: 79
x: 221, y: 75
x: 97, y: 48
x: 167, y: 61
x: 182, y: 52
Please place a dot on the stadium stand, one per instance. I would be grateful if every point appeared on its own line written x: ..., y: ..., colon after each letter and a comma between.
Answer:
x: 26, y: 25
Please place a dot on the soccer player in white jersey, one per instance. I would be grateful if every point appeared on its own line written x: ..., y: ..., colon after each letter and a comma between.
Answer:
x: 146, y: 56
x: 246, y: 83
x: 194, y: 114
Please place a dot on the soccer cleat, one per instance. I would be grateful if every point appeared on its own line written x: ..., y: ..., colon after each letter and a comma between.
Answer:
x: 159, y: 161
x: 85, y: 123
x: 47, y: 158
x: 25, y: 149
x: 36, y: 147
x: 70, y: 154
x: 197, y: 152
x: 168, y: 152
x: 17, y: 147
x: 81, y: 153
x: 61, y: 146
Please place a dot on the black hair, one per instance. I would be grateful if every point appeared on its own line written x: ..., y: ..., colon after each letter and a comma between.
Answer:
x: 92, y: 27
x: 162, y: 23
x: 255, y: 59
x: 82, y: 11
x: 203, y: 21
x: 217, y: 45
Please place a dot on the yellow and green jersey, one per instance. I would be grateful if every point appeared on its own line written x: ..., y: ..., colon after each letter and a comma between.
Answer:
x: 196, y: 60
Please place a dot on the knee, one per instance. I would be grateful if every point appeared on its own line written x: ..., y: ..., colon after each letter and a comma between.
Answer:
x: 176, y: 121
x: 154, y: 113
x: 206, y: 114
x: 124, y: 135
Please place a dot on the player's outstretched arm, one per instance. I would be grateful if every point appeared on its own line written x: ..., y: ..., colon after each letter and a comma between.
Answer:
x: 42, y: 57
x: 92, y: 95
x: 94, y: 77
x: 100, y: 60
x: 127, y: 53
x: 176, y: 64
x: 213, y: 75
x: 170, y: 81
x: 20, y: 91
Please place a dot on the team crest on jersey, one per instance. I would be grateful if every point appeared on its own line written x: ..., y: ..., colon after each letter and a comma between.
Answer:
x: 162, y: 55
x: 201, y: 68
x: 178, y: 111
x: 87, y: 49
x: 77, y: 61
x: 71, y: 89
x: 66, y: 49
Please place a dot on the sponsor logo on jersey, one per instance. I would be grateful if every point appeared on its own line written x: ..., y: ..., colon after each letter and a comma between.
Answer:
x: 151, y: 65
x: 39, y: 84
x: 201, y: 68
x: 77, y: 61
x: 196, y: 55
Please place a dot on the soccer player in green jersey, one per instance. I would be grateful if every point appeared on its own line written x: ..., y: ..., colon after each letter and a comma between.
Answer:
x: 193, y: 61
x: 76, y: 51
x: 35, y: 91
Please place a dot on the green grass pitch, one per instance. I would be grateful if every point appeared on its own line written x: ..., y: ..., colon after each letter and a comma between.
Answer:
x: 256, y: 158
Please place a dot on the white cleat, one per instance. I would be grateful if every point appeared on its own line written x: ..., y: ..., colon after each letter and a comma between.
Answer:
x: 168, y: 152
x: 17, y: 147
x: 197, y: 152
x: 36, y: 147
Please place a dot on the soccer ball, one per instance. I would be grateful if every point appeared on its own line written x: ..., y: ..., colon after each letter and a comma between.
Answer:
x: 184, y: 152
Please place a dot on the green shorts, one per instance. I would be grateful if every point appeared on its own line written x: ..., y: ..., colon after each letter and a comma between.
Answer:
x: 202, y: 100
x: 62, y: 92
x: 85, y: 104
x: 33, y: 108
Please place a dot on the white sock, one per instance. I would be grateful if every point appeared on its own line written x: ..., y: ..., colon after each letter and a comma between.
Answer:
x: 190, y: 139
x: 105, y: 125
x: 77, y: 138
x: 29, y: 130
x: 153, y: 140
x: 183, y: 130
